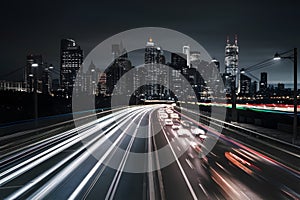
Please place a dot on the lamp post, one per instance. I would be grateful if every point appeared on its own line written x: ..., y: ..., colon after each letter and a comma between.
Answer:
x: 49, y: 78
x: 233, y: 99
x: 294, y: 58
x: 35, y: 85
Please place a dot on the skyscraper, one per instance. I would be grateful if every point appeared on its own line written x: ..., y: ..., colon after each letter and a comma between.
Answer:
x: 195, y: 57
x: 263, y: 84
x: 178, y: 61
x: 102, y: 84
x: 153, y: 53
x: 34, y: 72
x: 253, y: 88
x: 245, y: 85
x: 90, y: 80
x: 120, y: 65
x: 71, y: 58
x: 231, y: 64
x: 217, y: 64
x: 186, y: 51
x: 156, y: 71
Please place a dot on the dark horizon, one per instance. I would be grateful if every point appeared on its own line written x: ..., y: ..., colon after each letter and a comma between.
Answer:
x: 263, y: 28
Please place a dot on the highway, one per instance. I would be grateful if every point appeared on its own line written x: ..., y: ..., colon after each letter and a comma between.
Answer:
x: 134, y: 153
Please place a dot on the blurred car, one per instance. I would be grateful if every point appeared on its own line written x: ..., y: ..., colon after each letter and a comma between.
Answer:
x: 176, y: 125
x: 197, y: 131
x: 196, y: 147
x: 169, y: 111
x: 161, y: 111
x: 174, y: 116
x: 183, y: 132
x: 186, y: 124
x: 202, y: 137
x: 168, y: 122
x: 168, y: 106
x: 163, y: 115
x: 241, y: 161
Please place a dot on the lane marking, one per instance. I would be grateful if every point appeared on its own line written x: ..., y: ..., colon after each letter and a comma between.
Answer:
x: 150, y: 172
x: 191, y: 155
x: 181, y: 169
x: 160, y: 179
x: 178, y: 148
x: 58, y: 178
x: 114, y: 185
x: 187, y: 140
x: 189, y: 163
x: 39, y: 158
x: 225, y: 170
x: 202, y: 188
x: 213, y: 154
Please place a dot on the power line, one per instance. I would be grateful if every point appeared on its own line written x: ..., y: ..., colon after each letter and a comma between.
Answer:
x: 259, y: 65
x: 11, y: 72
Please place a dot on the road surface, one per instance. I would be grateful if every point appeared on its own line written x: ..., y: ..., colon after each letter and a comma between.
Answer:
x: 99, y: 160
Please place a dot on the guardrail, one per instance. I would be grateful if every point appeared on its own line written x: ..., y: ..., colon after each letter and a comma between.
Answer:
x: 42, y: 132
x: 240, y: 129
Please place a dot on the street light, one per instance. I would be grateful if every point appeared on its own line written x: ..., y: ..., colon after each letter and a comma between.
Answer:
x: 35, y: 65
x: 292, y: 57
x: 233, y: 97
x: 277, y: 56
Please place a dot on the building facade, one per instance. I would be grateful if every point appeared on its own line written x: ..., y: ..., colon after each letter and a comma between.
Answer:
x: 263, y: 84
x: 156, y: 73
x: 120, y: 65
x: 231, y: 65
x: 245, y: 85
x: 34, y: 71
x: 71, y: 58
x: 12, y: 86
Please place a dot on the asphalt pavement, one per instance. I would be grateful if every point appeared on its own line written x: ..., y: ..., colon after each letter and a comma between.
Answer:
x: 134, y: 154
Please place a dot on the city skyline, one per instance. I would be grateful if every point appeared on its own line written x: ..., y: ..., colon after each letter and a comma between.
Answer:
x: 149, y: 99
x: 135, y: 58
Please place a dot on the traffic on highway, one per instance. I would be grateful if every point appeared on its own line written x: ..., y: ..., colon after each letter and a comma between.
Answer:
x: 145, y: 152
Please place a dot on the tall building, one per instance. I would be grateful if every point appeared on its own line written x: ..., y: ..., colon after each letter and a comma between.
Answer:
x: 121, y: 64
x: 102, y: 84
x: 253, y: 88
x: 195, y: 57
x: 156, y: 73
x: 89, y: 83
x: 280, y: 90
x: 245, y: 85
x: 178, y: 61
x: 187, y: 52
x: 46, y: 80
x: 217, y: 64
x: 263, y: 84
x: 118, y: 50
x: 153, y: 53
x: 71, y: 58
x: 55, y: 85
x: 231, y: 64
x: 280, y: 86
x: 34, y: 71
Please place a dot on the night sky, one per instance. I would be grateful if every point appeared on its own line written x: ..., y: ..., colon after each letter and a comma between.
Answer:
x: 263, y: 27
